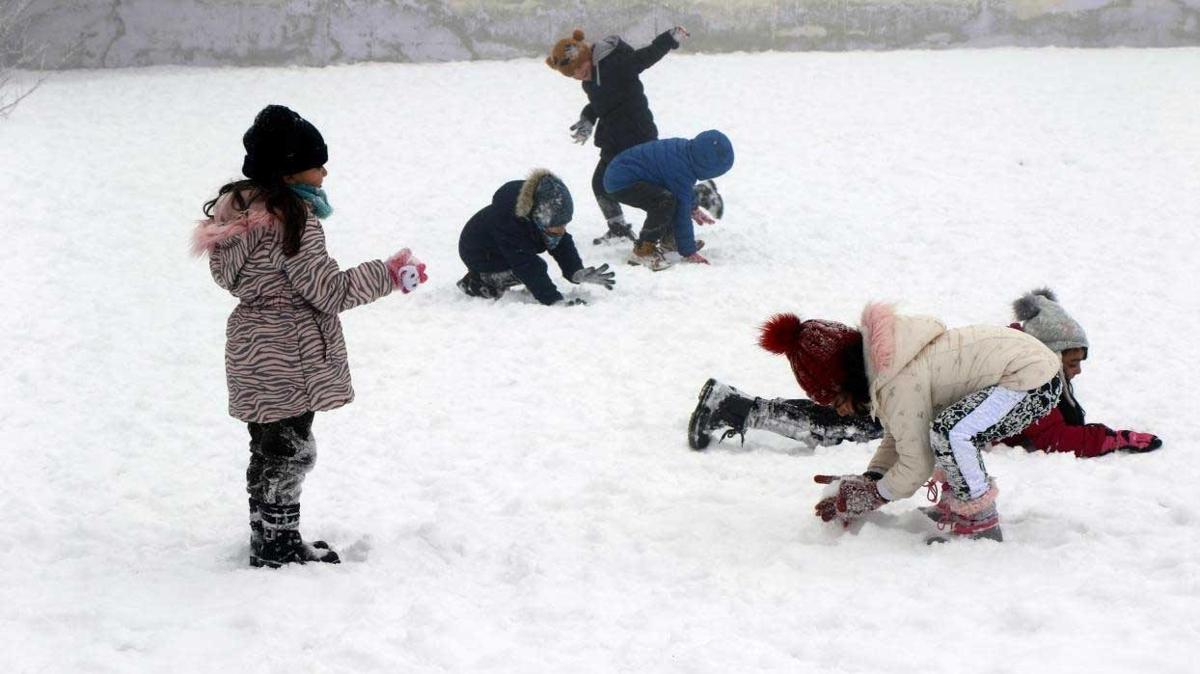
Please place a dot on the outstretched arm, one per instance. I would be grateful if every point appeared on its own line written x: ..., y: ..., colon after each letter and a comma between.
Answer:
x: 1052, y: 434
x: 652, y: 53
x: 321, y: 283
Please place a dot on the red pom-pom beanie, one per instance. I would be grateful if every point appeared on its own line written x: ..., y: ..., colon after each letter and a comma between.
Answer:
x: 817, y: 350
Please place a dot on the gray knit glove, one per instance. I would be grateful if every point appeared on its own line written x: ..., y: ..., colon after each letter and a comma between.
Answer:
x: 581, y: 130
x: 598, y: 275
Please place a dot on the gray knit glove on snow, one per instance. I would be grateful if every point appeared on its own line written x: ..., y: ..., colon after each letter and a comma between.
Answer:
x: 581, y: 130
x: 598, y: 275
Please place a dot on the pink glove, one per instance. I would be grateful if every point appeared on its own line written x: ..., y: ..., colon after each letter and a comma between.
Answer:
x: 701, y: 216
x: 696, y: 258
x: 857, y: 496
x: 1131, y: 441
x: 407, y: 272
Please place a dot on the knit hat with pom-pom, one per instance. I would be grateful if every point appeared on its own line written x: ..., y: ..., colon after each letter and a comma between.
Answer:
x: 567, y: 53
x: 1043, y: 317
x: 821, y: 353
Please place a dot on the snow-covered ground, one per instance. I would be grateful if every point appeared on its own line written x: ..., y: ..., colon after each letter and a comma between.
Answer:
x: 512, y: 489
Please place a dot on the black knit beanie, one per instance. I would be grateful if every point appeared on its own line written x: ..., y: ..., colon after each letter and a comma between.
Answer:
x: 281, y: 143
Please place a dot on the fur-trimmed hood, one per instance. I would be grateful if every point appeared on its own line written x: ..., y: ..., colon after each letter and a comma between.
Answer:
x: 890, y: 342
x: 228, y: 223
x: 544, y: 200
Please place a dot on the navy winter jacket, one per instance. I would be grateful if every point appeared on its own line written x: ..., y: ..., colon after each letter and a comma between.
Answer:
x: 495, y: 240
x: 676, y: 164
x: 617, y: 102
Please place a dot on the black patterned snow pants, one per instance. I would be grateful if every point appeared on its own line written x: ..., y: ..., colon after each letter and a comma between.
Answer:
x: 281, y: 454
x: 810, y: 423
x: 960, y: 431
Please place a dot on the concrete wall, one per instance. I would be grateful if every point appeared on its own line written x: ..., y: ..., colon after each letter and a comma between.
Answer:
x: 118, y: 33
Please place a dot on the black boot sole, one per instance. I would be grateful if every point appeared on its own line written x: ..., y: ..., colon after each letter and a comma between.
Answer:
x: 698, y: 438
x: 614, y: 236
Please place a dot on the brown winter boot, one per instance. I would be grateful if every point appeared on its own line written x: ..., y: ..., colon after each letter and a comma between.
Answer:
x: 647, y: 254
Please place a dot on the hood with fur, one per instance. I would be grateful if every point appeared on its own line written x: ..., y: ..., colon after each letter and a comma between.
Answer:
x: 228, y: 223
x: 545, y: 200
x: 890, y: 342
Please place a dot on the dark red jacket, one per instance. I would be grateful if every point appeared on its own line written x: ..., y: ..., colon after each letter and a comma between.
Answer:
x: 1052, y: 434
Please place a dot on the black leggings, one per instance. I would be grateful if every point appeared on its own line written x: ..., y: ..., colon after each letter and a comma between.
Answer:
x: 610, y: 208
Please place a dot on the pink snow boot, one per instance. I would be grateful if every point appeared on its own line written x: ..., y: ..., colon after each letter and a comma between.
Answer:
x: 973, y: 519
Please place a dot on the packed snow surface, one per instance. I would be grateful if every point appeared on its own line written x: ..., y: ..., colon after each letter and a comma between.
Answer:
x: 512, y: 490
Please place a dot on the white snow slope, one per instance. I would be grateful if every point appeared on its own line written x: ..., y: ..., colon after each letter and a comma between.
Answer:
x: 512, y: 489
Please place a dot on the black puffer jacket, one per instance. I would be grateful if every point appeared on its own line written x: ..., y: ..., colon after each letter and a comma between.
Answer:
x: 495, y: 239
x: 617, y: 102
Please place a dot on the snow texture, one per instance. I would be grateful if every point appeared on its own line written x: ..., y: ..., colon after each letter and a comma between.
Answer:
x: 512, y: 490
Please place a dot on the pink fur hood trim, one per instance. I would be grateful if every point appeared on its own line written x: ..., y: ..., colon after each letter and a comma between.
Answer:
x: 878, y: 327
x: 227, y: 224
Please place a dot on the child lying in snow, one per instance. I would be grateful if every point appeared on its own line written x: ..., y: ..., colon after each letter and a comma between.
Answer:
x: 1064, y: 430
x: 725, y: 409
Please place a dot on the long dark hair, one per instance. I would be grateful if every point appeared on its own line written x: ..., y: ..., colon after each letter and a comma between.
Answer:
x: 280, y: 200
x: 856, y: 384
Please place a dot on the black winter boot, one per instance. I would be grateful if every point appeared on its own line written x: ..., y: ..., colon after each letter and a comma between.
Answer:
x: 256, y: 530
x: 719, y: 405
x: 281, y: 542
x: 617, y: 231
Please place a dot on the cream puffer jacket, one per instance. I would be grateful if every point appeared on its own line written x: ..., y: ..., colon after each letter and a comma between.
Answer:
x: 916, y: 368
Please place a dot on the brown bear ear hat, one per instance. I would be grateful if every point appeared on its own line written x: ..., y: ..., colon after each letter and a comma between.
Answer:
x: 568, y: 52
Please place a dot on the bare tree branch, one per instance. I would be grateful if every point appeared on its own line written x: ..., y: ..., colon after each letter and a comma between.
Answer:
x: 17, y: 53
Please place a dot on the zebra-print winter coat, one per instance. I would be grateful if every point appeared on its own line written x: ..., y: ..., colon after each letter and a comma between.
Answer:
x: 284, y: 350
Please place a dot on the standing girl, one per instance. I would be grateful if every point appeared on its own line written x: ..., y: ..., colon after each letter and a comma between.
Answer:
x: 617, y: 107
x: 285, y: 357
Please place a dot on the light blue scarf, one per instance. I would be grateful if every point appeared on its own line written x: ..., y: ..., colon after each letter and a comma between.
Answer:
x: 315, y: 196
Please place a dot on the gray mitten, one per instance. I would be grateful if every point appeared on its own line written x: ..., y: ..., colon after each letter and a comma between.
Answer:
x: 581, y: 130
x: 598, y: 275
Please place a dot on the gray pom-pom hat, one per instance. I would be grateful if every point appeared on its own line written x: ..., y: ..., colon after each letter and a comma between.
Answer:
x: 1043, y: 317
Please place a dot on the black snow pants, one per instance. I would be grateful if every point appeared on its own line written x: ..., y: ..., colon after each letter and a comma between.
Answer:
x: 281, y: 454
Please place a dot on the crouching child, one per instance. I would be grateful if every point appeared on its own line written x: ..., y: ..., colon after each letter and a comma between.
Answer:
x: 502, y: 243
x: 940, y: 394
